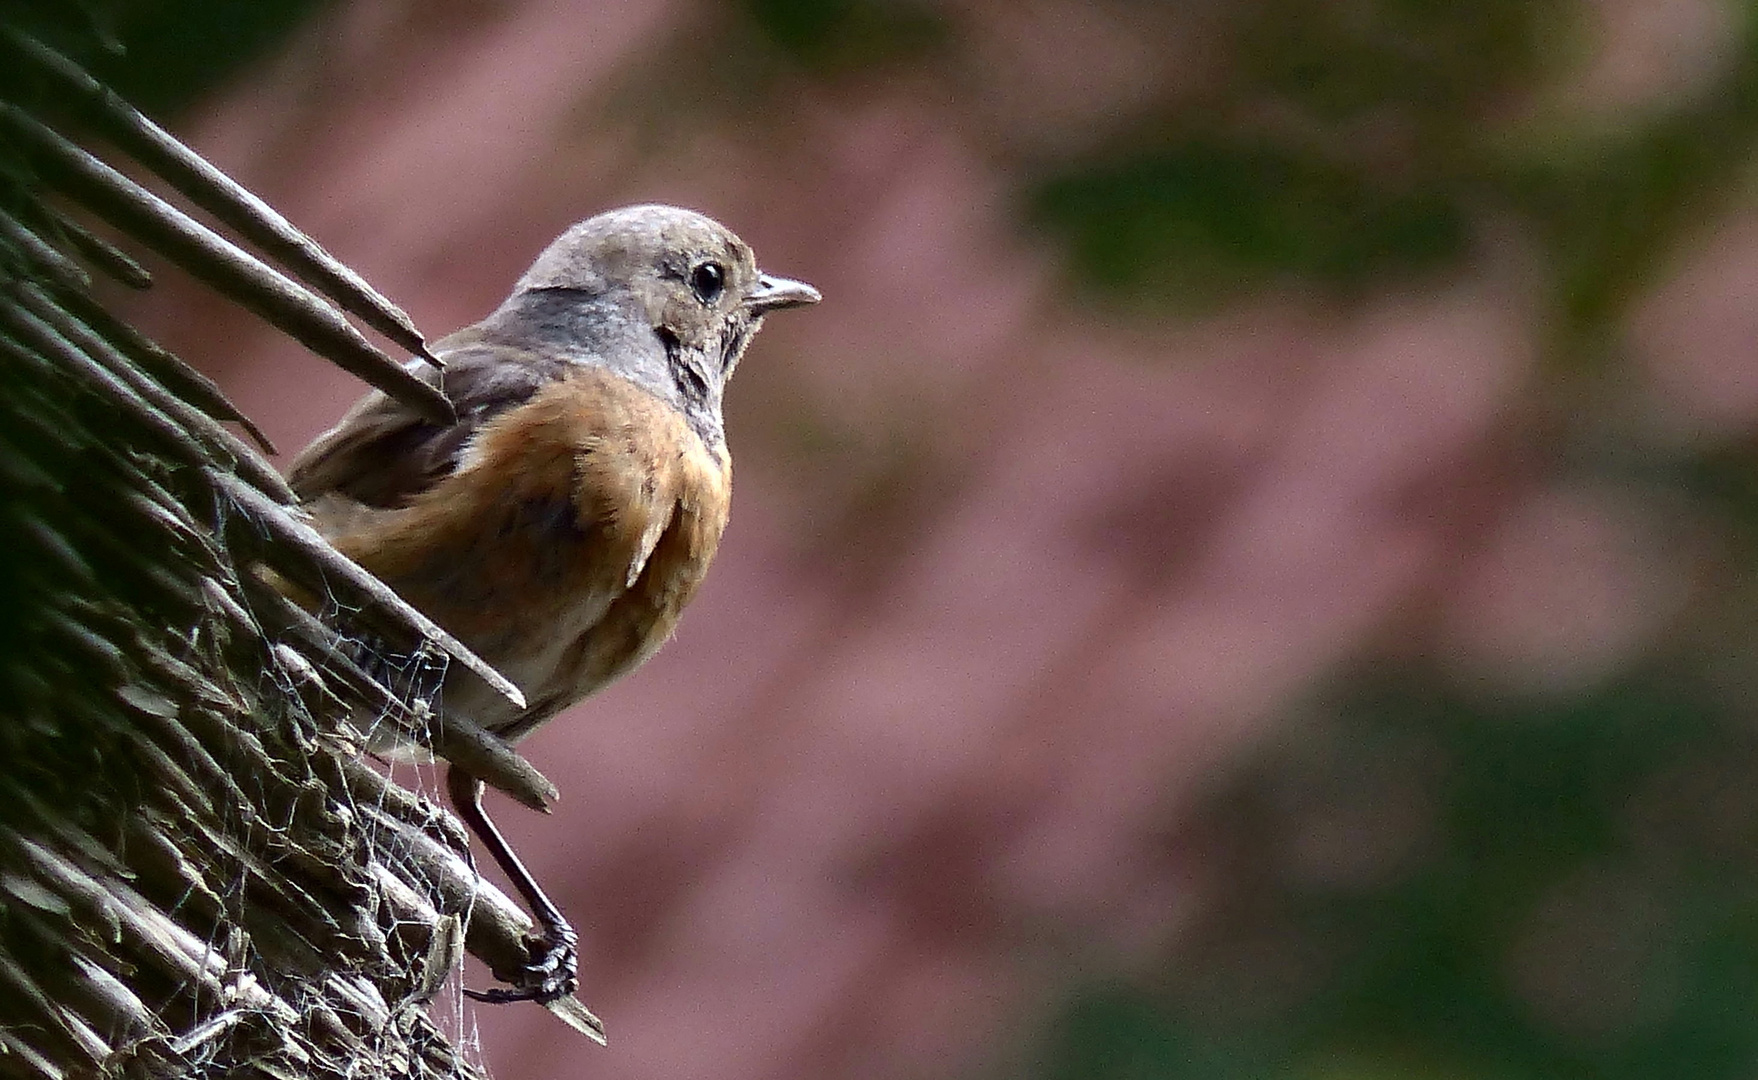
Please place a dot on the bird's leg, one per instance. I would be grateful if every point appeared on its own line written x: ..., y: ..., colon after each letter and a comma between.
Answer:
x: 551, y: 972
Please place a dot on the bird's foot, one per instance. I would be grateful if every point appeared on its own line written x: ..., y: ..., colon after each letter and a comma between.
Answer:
x: 551, y: 973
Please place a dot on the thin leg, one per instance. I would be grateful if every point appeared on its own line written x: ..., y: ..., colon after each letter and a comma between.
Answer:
x: 552, y: 970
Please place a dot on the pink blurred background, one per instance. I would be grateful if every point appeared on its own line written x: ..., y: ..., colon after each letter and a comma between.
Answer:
x: 1015, y: 579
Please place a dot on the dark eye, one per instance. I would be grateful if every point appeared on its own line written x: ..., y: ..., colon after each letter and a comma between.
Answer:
x: 708, y: 279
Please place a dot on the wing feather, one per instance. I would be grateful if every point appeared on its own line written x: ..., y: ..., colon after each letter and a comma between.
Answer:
x: 381, y: 454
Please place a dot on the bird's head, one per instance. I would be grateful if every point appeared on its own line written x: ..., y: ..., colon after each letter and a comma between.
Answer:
x: 678, y: 278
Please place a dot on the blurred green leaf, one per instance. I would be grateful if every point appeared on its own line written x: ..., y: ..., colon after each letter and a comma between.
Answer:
x: 1612, y: 218
x: 846, y: 34
x: 1120, y: 1034
x: 1625, y: 786
x: 1443, y: 62
x: 1208, y: 216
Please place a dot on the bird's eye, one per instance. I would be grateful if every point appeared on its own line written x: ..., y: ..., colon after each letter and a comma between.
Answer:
x: 707, y: 280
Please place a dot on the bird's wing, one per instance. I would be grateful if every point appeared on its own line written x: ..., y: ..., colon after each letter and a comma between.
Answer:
x: 381, y: 453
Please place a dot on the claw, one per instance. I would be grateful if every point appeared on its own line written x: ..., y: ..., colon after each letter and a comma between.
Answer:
x: 550, y: 975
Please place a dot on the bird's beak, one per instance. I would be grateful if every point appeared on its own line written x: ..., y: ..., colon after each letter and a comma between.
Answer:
x: 775, y: 293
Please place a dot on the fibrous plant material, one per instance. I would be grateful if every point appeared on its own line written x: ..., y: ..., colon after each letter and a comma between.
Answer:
x: 198, y: 871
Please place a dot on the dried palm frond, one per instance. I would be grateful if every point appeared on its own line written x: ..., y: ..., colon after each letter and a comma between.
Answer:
x: 199, y: 872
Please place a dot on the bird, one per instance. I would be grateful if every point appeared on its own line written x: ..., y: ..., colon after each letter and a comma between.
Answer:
x: 561, y: 524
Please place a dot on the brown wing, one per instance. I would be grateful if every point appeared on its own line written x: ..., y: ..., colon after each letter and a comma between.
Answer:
x: 538, y: 549
x: 381, y: 454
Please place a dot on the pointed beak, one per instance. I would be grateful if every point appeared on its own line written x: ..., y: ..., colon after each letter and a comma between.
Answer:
x: 775, y: 293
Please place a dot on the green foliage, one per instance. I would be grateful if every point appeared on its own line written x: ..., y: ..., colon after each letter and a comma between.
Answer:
x: 1365, y: 173
x: 1605, y: 838
x: 1117, y: 1033
x: 1384, y: 153
x: 1581, y: 901
x: 845, y: 34
x: 1611, y: 216
x: 1443, y: 63
x: 1205, y: 217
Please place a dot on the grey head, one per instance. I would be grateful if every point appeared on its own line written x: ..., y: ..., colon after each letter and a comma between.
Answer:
x: 665, y: 297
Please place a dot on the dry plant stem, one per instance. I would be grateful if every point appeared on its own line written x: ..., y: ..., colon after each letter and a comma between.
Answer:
x: 217, y: 193
x: 212, y: 259
x: 216, y: 439
x: 53, y: 265
x: 496, y: 928
x: 305, y: 558
x: 455, y: 738
x: 115, y: 263
x: 169, y: 369
x: 198, y: 873
x: 35, y: 339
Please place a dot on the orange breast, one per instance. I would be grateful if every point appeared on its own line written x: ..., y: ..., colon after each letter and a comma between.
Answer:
x: 566, y: 545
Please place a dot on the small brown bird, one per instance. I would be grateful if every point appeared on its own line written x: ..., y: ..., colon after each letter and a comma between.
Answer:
x: 561, y: 525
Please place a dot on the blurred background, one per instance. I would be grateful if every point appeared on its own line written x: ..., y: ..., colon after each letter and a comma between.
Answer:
x: 1251, y: 571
